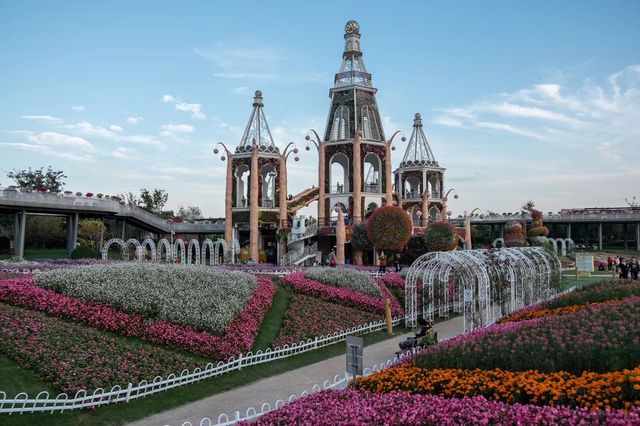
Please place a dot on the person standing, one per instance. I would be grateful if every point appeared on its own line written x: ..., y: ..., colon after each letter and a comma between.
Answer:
x: 634, y: 268
x: 382, y: 263
x: 396, y: 262
x: 609, y: 263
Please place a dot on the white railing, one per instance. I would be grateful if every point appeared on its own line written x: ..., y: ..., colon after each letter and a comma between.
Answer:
x: 294, y: 256
x: 309, y: 232
x: 21, y: 403
x: 339, y: 383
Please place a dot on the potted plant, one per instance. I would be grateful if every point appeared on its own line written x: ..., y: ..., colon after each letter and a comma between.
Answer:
x: 99, y: 195
x: 78, y: 194
x: 89, y: 194
x: 68, y: 193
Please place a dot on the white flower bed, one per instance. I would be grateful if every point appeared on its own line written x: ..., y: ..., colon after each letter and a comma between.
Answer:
x: 196, y: 296
x: 345, y: 278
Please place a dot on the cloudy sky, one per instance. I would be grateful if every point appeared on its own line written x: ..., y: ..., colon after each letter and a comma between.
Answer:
x: 520, y: 100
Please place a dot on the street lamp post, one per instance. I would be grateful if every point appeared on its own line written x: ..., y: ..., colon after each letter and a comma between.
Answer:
x: 282, y: 199
x: 467, y: 229
x: 389, y: 146
x: 317, y: 142
x: 443, y: 212
x: 228, y: 196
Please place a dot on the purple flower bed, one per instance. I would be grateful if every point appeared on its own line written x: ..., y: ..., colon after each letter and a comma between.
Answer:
x: 601, y: 338
x: 352, y: 407
x: 301, y: 284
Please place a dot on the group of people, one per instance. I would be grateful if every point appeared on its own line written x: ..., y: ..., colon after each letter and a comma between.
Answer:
x: 382, y: 262
x: 625, y: 270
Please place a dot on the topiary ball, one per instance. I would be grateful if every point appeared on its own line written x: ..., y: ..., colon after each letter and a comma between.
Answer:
x: 441, y: 236
x: 389, y: 228
x: 416, y: 247
x: 539, y: 231
x: 359, y: 237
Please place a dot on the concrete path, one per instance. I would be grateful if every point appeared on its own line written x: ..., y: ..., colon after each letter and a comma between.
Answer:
x: 282, y: 386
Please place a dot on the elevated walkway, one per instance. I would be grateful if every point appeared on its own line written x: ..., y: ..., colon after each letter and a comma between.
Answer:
x: 302, y: 200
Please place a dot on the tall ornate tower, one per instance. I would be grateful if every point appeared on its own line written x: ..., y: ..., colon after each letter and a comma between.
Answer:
x: 355, y: 151
x: 256, y: 189
x: 419, y: 179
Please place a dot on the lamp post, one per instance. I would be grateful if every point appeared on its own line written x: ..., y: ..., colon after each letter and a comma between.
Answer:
x: 317, y: 142
x: 444, y: 204
x: 228, y: 195
x: 282, y: 199
x: 389, y: 146
x: 467, y: 229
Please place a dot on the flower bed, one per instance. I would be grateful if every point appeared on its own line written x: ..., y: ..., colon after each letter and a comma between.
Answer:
x: 393, y: 279
x: 195, y: 296
x: 238, y: 336
x: 72, y: 356
x: 308, y: 317
x: 615, y: 390
x: 599, y: 339
x: 345, y: 278
x: 553, y: 312
x: 301, y: 284
x: 352, y: 407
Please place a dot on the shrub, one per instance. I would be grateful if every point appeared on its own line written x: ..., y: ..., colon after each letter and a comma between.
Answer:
x: 389, y: 228
x: 360, y: 238
x: 5, y: 244
x: 83, y: 252
x: 345, y: 278
x: 540, y: 231
x: 514, y: 234
x: 197, y: 296
x: 416, y: 247
x: 441, y: 236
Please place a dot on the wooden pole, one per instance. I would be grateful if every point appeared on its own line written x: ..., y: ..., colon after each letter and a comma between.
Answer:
x: 387, y: 314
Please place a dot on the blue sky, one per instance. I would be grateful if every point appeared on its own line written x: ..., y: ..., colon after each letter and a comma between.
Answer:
x: 519, y: 100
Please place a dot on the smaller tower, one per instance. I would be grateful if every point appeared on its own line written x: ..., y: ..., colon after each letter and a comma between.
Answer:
x: 419, y: 180
x: 255, y: 195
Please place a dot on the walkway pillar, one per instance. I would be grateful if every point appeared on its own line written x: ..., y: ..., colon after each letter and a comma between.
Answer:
x: 624, y: 236
x: 72, y: 231
x: 637, y: 236
x: 600, y: 236
x: 568, y: 230
x: 20, y: 229
x: 122, y: 229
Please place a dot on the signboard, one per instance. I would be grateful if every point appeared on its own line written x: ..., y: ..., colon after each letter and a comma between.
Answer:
x: 584, y: 265
x: 355, y: 358
x: 468, y: 296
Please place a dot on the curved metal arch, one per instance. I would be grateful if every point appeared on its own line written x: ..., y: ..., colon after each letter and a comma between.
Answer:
x: 109, y: 243
x: 137, y: 252
x: 220, y: 243
x: 207, y: 244
x: 193, y: 243
x: 168, y: 251
x: 179, y: 244
x: 148, y: 242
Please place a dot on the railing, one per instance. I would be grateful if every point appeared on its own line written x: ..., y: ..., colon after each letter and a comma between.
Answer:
x: 294, y: 256
x: 267, y: 203
x: 339, y: 383
x: 310, y: 231
x: 371, y: 187
x: 21, y: 403
x: 337, y: 189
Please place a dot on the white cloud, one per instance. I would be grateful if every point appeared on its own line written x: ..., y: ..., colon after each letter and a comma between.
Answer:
x: 78, y: 108
x: 45, y: 119
x: 116, y: 128
x: 134, y: 119
x: 173, y: 130
x: 88, y: 129
x: 194, y: 109
x: 168, y: 99
x: 241, y: 90
x: 122, y: 153
x: 56, y: 140
x: 141, y: 139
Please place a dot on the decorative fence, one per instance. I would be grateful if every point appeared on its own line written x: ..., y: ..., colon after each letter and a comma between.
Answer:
x: 339, y: 383
x: 21, y: 403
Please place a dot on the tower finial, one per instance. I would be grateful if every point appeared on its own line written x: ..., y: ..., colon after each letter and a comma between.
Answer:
x: 257, y: 99
x: 352, y: 27
x: 418, y: 151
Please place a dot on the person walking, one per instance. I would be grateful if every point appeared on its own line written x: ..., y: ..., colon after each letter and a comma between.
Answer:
x: 609, y: 263
x: 634, y: 268
x: 624, y: 269
x: 382, y: 263
x: 396, y: 262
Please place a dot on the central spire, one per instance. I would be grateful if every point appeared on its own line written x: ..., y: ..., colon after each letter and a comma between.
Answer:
x: 257, y: 130
x: 352, y: 71
x: 418, y: 151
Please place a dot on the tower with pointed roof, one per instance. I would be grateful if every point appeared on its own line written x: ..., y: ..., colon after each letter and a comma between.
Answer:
x: 355, y: 156
x: 419, y: 180
x: 255, y: 183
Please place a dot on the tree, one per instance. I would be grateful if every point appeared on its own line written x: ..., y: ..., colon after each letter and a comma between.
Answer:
x: 91, y: 233
x: 529, y: 206
x: 189, y: 212
x: 45, y: 232
x: 130, y: 198
x: 634, y: 203
x: 153, y: 201
x: 41, y: 180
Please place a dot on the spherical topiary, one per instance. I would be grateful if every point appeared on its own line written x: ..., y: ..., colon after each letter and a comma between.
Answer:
x: 514, y: 235
x: 82, y: 252
x: 416, y: 247
x: 359, y: 237
x: 540, y: 231
x: 389, y: 228
x: 441, y: 236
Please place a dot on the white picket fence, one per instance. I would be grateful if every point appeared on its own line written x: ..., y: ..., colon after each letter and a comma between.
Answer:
x: 21, y: 403
x: 339, y: 383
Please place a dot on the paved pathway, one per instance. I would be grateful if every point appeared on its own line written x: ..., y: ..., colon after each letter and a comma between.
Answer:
x: 282, y: 386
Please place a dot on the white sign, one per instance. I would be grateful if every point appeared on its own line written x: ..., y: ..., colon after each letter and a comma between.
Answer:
x: 584, y: 264
x: 468, y: 296
x: 355, y: 359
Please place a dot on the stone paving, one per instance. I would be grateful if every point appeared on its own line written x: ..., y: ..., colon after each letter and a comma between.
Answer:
x: 294, y: 382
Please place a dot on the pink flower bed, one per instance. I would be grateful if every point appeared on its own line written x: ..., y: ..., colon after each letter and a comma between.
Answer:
x: 393, y: 279
x: 301, y: 284
x: 238, y: 336
x: 352, y: 407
